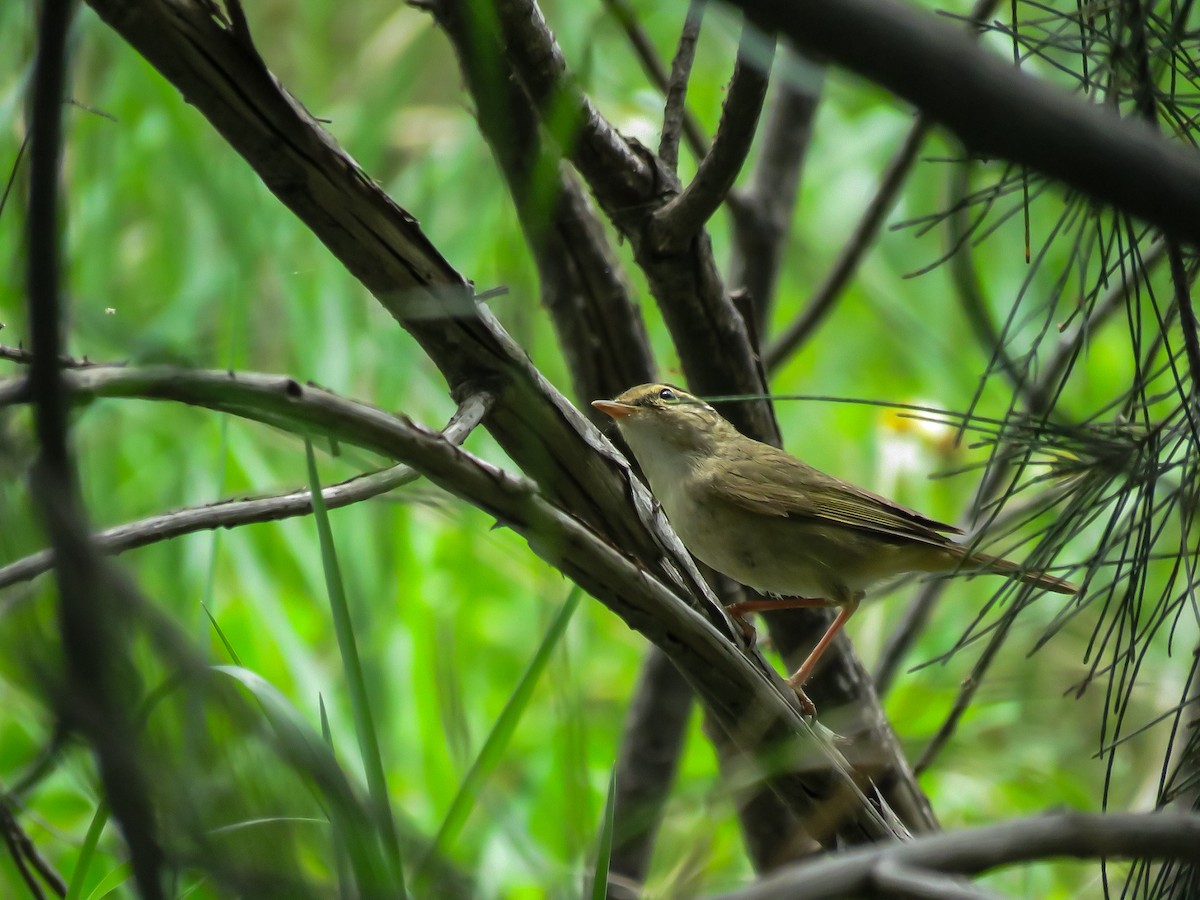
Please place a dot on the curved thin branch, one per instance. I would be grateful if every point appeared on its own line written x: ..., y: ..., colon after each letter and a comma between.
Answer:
x: 974, y: 850
x: 675, y: 94
x: 677, y: 223
x: 235, y: 513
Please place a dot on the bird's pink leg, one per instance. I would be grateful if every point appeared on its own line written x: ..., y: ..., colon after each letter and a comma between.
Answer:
x: 796, y: 681
x: 801, y: 675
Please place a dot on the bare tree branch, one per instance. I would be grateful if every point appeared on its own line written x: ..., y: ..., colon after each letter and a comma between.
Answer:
x: 758, y: 710
x: 601, y: 332
x: 649, y: 757
x: 599, y: 325
x: 711, y: 337
x: 975, y: 850
x: 647, y: 55
x: 381, y: 245
x: 856, y: 246
x: 675, y: 95
x: 676, y: 223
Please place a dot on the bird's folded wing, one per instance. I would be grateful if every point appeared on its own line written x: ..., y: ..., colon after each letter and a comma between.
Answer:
x: 784, y: 486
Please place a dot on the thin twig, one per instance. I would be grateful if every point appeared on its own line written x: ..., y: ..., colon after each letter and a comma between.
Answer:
x: 677, y: 85
x: 646, y: 53
x: 235, y: 513
x: 25, y: 853
x: 678, y: 222
x: 827, y: 294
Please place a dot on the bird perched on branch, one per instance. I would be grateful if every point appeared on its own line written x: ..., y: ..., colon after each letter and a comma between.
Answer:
x: 776, y: 524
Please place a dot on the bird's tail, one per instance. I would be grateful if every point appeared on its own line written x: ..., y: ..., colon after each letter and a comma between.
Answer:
x: 986, y: 563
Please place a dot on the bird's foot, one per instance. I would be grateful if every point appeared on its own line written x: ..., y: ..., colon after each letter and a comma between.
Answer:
x: 749, y: 635
x: 808, y: 709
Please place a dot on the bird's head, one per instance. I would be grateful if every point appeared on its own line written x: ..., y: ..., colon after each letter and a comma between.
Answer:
x: 662, y: 416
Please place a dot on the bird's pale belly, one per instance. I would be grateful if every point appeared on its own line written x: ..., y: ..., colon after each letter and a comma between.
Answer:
x: 787, y: 557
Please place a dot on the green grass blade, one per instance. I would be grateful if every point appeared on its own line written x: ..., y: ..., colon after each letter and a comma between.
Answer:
x: 605, y: 842
x: 110, y: 882
x: 304, y: 750
x: 221, y: 634
x: 87, y: 852
x: 497, y: 740
x: 364, y: 722
x: 341, y: 860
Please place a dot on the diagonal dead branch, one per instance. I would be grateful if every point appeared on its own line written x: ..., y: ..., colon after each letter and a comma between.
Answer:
x: 754, y: 708
x: 851, y: 255
x: 599, y: 325
x: 826, y: 295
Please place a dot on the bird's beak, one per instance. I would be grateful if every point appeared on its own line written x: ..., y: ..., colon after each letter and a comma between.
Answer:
x: 613, y: 408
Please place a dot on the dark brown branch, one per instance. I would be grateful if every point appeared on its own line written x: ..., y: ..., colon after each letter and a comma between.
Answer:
x: 762, y: 213
x: 609, y: 163
x: 975, y: 850
x: 235, y: 513
x: 998, y: 111
x: 629, y: 589
x: 714, y: 347
x: 95, y: 699
x: 598, y: 323
x: 601, y: 332
x: 677, y: 223
x: 650, y: 751
x: 647, y: 55
x: 675, y: 95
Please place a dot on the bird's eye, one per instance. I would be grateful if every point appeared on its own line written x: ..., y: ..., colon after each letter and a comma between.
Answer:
x: 667, y: 394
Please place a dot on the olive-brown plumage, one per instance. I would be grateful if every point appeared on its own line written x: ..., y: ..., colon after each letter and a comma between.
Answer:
x: 776, y: 524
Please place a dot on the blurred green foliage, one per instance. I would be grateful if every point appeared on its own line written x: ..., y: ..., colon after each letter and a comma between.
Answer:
x: 177, y: 253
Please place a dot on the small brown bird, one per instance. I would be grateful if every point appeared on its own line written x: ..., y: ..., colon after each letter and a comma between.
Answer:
x: 776, y: 524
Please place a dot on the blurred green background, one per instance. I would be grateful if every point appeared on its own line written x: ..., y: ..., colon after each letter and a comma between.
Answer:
x: 177, y: 253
